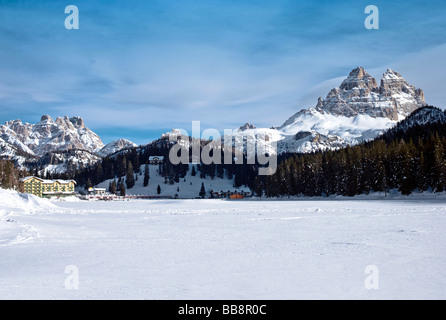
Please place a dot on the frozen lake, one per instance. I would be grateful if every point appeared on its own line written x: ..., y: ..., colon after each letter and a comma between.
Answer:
x: 217, y: 249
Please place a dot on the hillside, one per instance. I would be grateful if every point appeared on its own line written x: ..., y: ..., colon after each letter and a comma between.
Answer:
x: 186, y: 188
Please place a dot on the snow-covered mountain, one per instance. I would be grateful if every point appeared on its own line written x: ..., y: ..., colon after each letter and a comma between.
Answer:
x: 50, y: 136
x: 56, y: 145
x: 356, y: 111
x: 115, y: 146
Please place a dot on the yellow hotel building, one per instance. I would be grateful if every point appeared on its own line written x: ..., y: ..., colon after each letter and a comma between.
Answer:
x: 47, y: 188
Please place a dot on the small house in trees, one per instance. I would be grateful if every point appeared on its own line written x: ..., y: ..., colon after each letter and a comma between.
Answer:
x: 156, y: 159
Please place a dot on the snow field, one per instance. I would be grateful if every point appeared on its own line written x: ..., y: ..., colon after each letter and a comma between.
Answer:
x: 217, y: 249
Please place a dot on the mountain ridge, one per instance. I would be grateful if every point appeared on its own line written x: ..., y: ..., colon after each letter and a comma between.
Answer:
x: 56, y: 145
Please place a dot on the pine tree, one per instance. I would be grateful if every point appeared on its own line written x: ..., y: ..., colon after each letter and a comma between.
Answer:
x: 122, y: 166
x: 122, y: 190
x: 439, y: 179
x: 258, y: 186
x: 146, y: 175
x: 130, y: 178
x: 202, y: 191
x: 89, y: 184
x: 98, y: 174
x: 422, y: 181
x: 112, y: 187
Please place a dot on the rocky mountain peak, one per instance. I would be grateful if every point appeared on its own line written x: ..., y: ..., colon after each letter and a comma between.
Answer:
x: 77, y: 121
x: 359, y: 78
x: 64, y: 123
x: 359, y: 94
x: 247, y: 126
x: 46, y: 118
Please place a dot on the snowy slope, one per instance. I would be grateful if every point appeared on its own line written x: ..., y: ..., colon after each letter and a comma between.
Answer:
x: 188, y: 189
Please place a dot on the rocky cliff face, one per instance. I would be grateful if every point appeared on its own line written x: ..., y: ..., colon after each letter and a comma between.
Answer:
x: 359, y: 93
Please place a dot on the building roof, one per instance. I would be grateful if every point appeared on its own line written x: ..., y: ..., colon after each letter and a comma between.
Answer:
x: 30, y: 177
x: 44, y: 181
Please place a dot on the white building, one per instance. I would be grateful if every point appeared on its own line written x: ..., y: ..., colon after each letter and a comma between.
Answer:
x: 156, y: 159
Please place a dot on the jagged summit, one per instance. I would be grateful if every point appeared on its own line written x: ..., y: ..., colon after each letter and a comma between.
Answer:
x: 359, y: 94
x: 73, y: 122
x: 51, y: 136
x: 247, y: 126
x: 359, y: 78
x: 116, y: 146
x: 46, y: 117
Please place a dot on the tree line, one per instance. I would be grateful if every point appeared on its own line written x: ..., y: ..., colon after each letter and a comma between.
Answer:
x: 406, y: 161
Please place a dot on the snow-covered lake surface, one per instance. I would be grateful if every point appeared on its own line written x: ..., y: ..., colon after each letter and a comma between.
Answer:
x: 218, y: 249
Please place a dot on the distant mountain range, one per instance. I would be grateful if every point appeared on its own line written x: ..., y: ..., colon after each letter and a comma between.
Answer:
x: 356, y: 111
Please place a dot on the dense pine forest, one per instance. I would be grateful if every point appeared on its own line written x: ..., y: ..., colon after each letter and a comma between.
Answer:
x: 409, y: 157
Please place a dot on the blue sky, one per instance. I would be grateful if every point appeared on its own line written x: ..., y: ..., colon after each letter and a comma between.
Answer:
x: 136, y: 69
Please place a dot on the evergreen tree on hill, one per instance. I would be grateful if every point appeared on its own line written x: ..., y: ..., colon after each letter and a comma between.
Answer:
x: 146, y: 175
x: 202, y: 191
x: 130, y: 178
